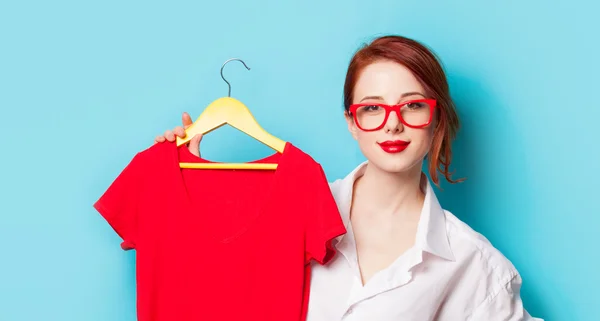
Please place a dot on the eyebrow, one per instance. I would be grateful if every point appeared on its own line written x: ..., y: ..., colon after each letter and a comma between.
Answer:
x: 412, y: 93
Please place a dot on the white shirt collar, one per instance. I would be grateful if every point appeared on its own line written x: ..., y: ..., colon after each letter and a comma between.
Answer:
x: 432, y: 236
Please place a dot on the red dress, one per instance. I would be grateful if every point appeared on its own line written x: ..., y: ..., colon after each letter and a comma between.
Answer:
x: 222, y: 244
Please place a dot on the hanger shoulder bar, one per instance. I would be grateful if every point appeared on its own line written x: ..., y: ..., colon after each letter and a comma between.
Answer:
x: 263, y: 166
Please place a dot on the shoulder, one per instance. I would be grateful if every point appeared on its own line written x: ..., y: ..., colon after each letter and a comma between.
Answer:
x: 155, y: 151
x: 487, y: 276
x: 474, y: 249
x: 335, y: 186
x: 151, y: 160
x: 342, y: 187
x: 302, y: 162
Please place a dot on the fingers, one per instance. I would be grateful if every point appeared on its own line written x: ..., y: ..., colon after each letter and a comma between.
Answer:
x: 179, y: 131
x: 170, y: 136
x: 186, y: 120
x: 159, y: 139
x: 194, y: 145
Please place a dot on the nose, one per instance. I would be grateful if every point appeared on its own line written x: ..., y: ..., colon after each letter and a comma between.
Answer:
x: 393, y: 125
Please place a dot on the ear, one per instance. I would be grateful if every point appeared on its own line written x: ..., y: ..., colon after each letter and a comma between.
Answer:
x: 351, y: 125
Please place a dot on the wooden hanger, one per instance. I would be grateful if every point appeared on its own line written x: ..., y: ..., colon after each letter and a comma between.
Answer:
x: 227, y: 110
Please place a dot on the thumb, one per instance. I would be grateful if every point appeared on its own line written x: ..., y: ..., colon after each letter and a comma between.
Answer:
x: 186, y: 120
x: 194, y: 145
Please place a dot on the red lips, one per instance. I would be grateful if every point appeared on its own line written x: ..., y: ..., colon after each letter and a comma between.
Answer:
x: 393, y: 146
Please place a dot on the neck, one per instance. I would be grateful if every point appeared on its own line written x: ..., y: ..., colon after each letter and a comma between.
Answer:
x: 392, y: 193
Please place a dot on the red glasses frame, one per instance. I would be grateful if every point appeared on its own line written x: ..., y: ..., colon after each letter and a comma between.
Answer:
x: 397, y: 108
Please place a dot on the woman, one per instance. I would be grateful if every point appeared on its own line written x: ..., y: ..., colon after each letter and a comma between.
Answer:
x: 403, y: 257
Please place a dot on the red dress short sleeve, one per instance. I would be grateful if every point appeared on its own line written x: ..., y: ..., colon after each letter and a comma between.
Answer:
x: 324, y: 222
x: 119, y: 203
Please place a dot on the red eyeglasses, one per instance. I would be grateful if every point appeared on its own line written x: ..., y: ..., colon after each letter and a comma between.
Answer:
x: 413, y: 113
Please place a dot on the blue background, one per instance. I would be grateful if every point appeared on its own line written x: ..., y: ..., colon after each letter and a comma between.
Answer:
x: 85, y: 85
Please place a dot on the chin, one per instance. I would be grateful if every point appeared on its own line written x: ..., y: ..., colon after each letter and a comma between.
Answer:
x: 401, y: 162
x: 393, y: 166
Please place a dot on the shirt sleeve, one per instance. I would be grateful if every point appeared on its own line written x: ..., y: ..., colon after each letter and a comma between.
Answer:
x: 324, y: 222
x: 119, y: 203
x: 505, y: 305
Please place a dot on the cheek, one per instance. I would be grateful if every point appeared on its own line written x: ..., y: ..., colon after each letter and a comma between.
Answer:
x: 421, y: 138
x: 366, y: 137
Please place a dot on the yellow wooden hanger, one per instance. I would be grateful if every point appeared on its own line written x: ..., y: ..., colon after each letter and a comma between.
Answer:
x: 227, y: 110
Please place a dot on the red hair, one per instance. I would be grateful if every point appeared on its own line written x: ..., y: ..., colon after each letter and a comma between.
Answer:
x: 428, y: 70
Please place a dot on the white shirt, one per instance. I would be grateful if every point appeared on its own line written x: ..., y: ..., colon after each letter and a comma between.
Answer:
x: 452, y: 273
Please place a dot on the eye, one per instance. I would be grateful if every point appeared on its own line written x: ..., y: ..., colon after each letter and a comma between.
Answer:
x: 371, y: 108
x: 416, y: 105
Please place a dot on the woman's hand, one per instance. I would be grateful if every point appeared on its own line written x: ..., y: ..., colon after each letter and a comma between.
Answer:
x: 179, y: 131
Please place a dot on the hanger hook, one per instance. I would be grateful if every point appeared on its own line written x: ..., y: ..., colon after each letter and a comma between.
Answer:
x: 228, y: 84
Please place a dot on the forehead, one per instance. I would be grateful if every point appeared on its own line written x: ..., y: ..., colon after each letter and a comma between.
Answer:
x: 387, y: 79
